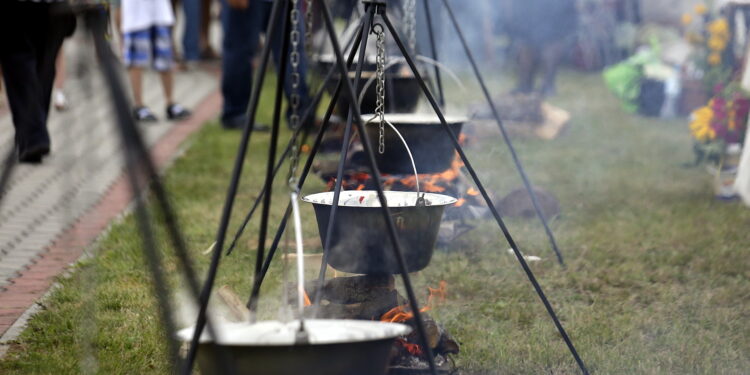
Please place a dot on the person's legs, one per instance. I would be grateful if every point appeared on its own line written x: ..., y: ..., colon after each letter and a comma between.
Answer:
x: 33, y: 38
x: 59, y: 26
x: 191, y: 36
x: 552, y: 55
x: 207, y: 52
x: 527, y: 67
x: 163, y: 58
x: 163, y: 62
x: 241, y: 32
x: 137, y: 52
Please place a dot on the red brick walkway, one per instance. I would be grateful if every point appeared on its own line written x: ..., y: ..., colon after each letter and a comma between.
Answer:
x: 23, y: 291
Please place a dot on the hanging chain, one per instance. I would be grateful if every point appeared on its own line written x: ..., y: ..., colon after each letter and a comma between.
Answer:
x: 380, y: 85
x: 294, y: 100
x: 410, y: 22
x: 308, y: 26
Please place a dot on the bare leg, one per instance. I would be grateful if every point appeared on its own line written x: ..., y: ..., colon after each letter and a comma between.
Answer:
x: 166, y: 84
x: 59, y: 100
x: 205, y: 40
x: 136, y: 80
x: 60, y: 73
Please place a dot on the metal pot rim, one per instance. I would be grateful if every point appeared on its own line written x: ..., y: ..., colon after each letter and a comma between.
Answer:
x: 418, y: 118
x: 394, y: 198
x: 277, y: 333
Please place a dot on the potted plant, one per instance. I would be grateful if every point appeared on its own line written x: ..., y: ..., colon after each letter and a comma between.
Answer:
x: 717, y: 129
x: 708, y: 65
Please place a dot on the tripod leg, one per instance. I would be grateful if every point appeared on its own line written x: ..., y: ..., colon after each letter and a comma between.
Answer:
x: 364, y: 31
x: 392, y: 234
x: 305, y: 170
x: 138, y: 159
x: 268, y: 186
x: 233, y: 185
x: 526, y: 182
x: 486, y: 197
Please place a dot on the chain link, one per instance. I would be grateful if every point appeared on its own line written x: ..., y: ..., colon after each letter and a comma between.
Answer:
x: 380, y: 85
x: 409, y: 9
x: 294, y: 100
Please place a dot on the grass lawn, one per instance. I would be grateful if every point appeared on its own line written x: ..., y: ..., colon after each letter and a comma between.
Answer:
x: 657, y: 279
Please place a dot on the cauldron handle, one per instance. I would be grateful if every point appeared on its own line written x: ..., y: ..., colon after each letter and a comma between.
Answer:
x: 420, y: 193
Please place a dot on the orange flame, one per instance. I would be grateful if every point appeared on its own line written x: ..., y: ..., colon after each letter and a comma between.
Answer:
x: 431, y: 182
x: 361, y: 187
x: 307, y: 300
x: 473, y: 192
x: 401, y: 313
x: 413, y: 349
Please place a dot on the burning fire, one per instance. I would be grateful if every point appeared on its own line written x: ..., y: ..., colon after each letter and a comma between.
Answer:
x: 413, y: 349
x: 401, y: 313
x: 431, y: 183
x: 307, y: 300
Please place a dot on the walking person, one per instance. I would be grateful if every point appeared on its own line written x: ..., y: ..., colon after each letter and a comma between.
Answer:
x: 243, y: 21
x: 146, y: 30
x: 32, y: 33
x: 543, y: 31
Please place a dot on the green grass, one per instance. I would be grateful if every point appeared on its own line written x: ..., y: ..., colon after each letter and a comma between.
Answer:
x: 656, y: 283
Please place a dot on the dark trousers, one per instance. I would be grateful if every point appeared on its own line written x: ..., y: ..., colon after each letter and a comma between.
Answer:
x: 242, y: 28
x: 534, y: 59
x: 32, y: 34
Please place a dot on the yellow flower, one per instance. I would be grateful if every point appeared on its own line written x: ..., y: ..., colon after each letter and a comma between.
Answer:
x: 719, y: 29
x: 701, y: 9
x: 714, y: 59
x: 700, y: 127
x: 717, y: 44
x: 687, y: 19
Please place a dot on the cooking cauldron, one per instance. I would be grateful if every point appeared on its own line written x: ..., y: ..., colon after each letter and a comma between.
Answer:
x: 401, y: 94
x: 360, y: 242
x: 430, y: 144
x: 337, y: 347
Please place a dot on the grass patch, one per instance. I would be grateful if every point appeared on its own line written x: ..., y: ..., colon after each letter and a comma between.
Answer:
x: 656, y: 283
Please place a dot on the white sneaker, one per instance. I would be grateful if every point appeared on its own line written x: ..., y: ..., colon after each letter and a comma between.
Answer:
x: 59, y: 100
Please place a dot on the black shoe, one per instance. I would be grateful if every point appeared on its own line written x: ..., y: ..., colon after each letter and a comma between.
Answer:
x: 144, y: 114
x: 33, y: 154
x: 177, y: 112
x: 238, y: 123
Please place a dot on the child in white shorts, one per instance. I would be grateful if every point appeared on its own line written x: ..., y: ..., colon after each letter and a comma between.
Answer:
x: 146, y: 30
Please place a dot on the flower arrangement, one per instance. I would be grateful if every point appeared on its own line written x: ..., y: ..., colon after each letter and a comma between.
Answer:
x: 710, y: 38
x: 721, y: 122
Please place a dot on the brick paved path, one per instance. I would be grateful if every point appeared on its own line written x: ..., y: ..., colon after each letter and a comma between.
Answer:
x: 53, y: 211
